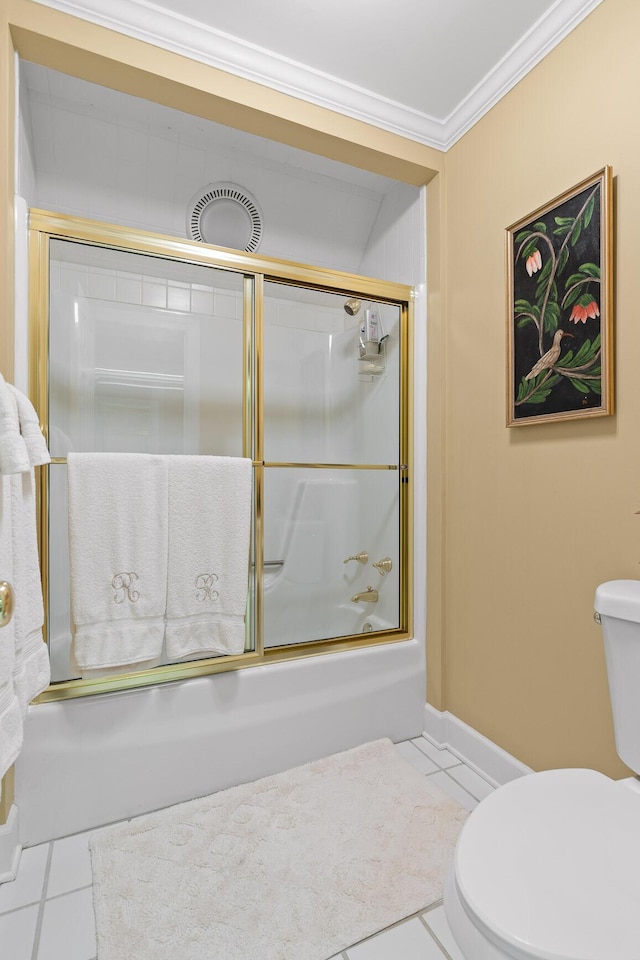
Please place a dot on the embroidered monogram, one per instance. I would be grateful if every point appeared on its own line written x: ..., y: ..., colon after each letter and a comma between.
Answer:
x: 123, y: 583
x: 204, y: 587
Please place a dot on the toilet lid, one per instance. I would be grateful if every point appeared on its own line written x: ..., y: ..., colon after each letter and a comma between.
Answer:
x: 548, y: 867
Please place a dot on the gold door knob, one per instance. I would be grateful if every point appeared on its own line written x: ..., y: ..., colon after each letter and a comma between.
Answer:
x: 362, y: 557
x: 383, y: 566
x: 6, y: 602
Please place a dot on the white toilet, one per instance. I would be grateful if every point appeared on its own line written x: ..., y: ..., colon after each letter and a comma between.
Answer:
x: 548, y: 866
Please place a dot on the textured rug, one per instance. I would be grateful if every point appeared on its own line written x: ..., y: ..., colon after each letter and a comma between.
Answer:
x: 296, y: 866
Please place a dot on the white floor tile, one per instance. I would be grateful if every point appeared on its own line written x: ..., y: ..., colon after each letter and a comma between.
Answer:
x: 408, y: 941
x: 454, y: 790
x: 443, y: 758
x: 17, y: 930
x: 471, y: 781
x: 68, y: 928
x: 70, y: 865
x: 437, y: 920
x: 27, y: 887
x: 415, y: 757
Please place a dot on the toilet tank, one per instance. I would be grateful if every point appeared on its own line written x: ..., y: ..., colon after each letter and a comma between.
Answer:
x: 618, y: 604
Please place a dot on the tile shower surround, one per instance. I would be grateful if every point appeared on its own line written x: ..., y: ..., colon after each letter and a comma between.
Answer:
x: 46, y: 913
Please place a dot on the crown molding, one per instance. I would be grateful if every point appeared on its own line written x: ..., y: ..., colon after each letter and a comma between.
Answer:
x: 172, y: 31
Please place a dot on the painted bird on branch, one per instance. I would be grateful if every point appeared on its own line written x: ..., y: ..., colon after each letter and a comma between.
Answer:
x: 550, y: 358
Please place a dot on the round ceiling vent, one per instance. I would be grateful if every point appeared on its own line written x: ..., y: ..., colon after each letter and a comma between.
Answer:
x: 225, y: 215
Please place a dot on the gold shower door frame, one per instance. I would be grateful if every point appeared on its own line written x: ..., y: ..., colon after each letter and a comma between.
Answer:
x: 45, y: 226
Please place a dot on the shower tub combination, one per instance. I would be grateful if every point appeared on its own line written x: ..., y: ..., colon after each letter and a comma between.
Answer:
x: 172, y: 347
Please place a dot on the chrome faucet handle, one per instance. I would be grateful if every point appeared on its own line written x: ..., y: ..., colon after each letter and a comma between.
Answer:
x: 362, y: 557
x: 383, y: 566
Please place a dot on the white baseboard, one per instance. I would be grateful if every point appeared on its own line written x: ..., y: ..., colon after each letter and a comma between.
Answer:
x: 10, y: 848
x: 481, y: 754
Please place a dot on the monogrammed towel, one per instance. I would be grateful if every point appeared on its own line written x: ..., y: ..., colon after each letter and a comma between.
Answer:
x: 118, y: 557
x: 209, y: 535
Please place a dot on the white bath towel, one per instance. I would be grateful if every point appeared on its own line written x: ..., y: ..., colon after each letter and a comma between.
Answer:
x: 30, y: 429
x: 209, y: 535
x: 10, y: 714
x: 118, y: 557
x: 14, y: 457
x: 32, y: 670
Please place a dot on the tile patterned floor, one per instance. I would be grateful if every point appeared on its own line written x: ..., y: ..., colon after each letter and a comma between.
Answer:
x: 47, y: 912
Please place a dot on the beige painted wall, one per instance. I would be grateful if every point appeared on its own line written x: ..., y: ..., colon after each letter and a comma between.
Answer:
x: 537, y: 516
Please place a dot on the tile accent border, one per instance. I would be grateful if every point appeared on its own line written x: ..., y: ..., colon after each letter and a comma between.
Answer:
x: 10, y: 847
x: 479, y: 753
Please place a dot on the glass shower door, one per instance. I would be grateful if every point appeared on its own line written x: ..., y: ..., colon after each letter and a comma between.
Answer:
x: 162, y: 348
x: 332, y: 448
x: 146, y: 355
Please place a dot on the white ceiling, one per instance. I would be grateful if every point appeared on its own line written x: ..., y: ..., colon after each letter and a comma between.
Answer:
x: 427, y: 69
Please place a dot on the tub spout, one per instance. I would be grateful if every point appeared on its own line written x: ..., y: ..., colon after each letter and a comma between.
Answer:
x: 368, y: 596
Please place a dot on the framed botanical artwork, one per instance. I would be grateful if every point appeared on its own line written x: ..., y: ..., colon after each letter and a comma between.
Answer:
x: 560, y: 336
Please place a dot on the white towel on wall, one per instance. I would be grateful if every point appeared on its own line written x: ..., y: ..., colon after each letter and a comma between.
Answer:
x: 118, y: 557
x: 209, y: 536
x: 14, y: 457
x: 10, y: 713
x: 32, y: 669
x: 30, y: 430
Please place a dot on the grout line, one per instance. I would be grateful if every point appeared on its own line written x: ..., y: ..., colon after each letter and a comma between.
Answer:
x: 398, y: 923
x: 459, y: 785
x: 65, y: 893
x: 47, y: 872
x: 468, y: 790
x: 36, y: 935
x: 432, y: 906
x: 433, y: 936
x: 5, y: 913
x: 23, y: 906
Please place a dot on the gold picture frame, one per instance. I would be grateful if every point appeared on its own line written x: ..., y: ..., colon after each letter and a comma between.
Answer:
x: 559, y: 307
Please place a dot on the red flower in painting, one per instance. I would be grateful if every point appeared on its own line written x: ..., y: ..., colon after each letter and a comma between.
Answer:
x: 534, y: 263
x: 580, y: 313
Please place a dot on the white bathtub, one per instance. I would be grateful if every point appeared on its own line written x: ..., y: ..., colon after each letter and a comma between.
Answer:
x: 96, y: 760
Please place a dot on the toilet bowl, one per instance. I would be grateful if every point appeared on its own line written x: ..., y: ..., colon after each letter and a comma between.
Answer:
x: 548, y: 866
